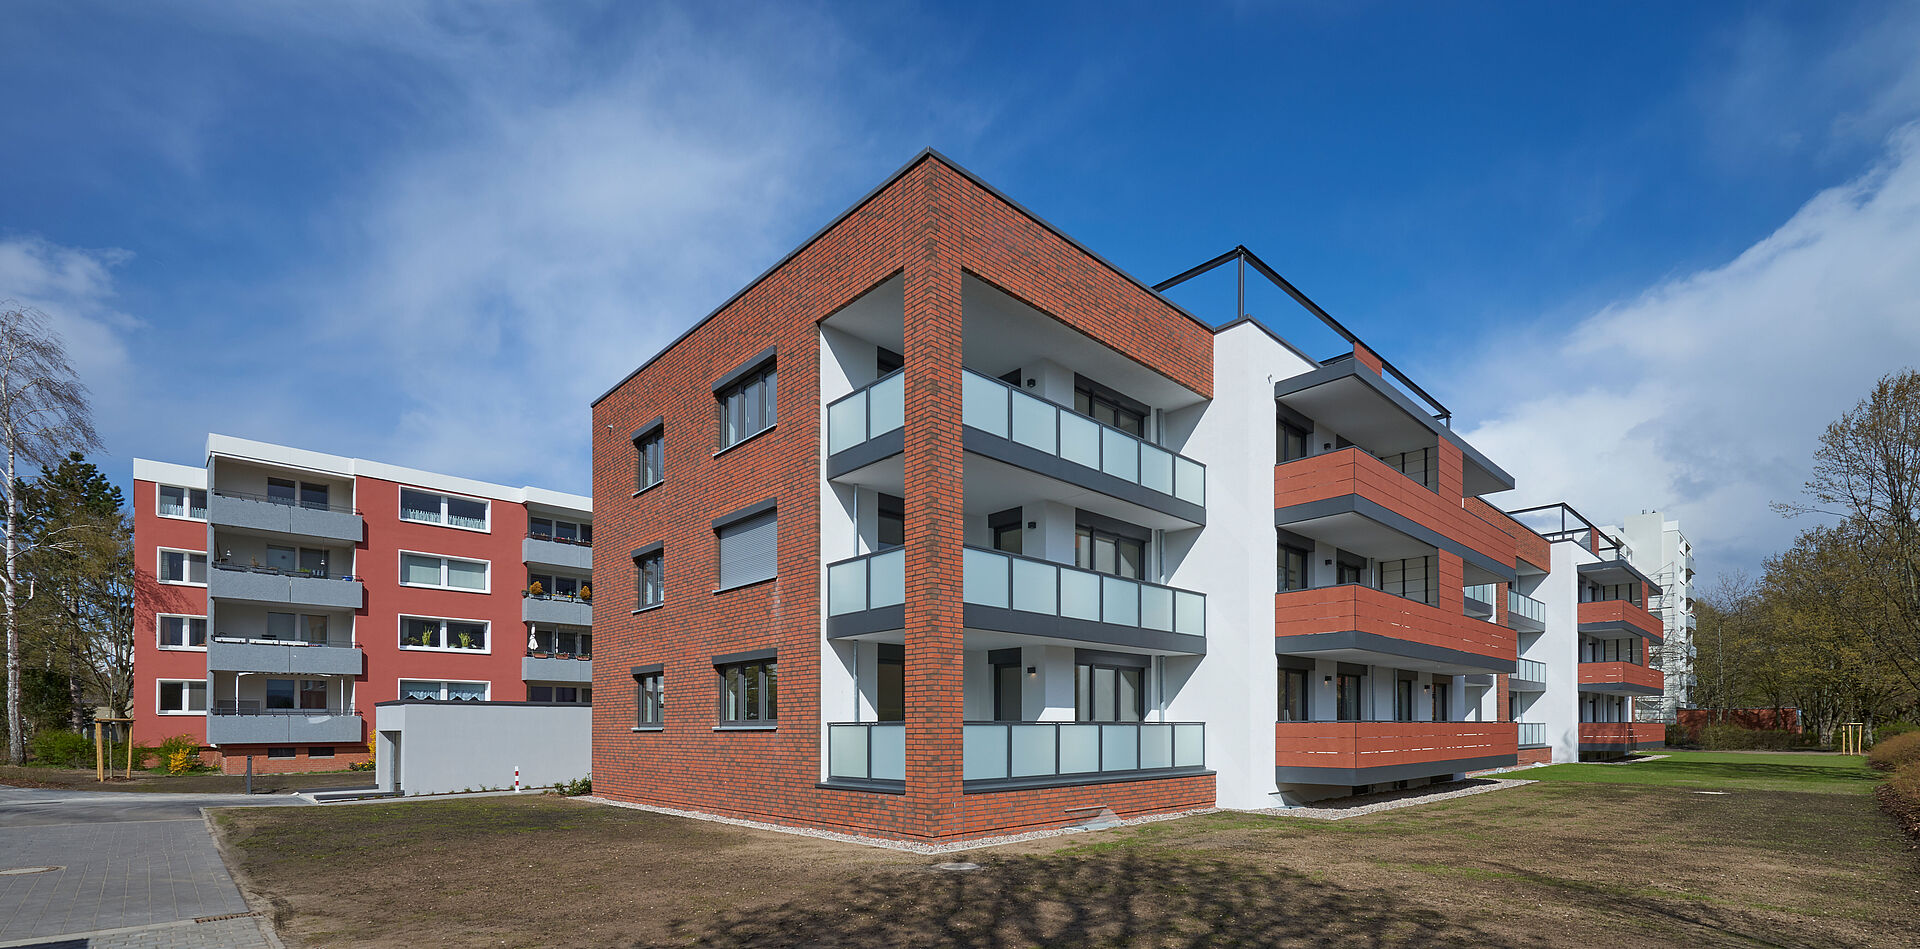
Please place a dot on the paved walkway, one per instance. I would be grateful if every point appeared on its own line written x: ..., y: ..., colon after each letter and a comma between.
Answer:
x: 130, y: 870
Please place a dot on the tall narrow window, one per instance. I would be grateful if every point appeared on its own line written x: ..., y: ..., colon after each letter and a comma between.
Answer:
x: 890, y: 691
x: 1403, y: 700
x: 1007, y: 528
x: 1442, y: 701
x: 1293, y: 695
x: 892, y: 527
x: 650, y: 580
x: 650, y: 699
x: 748, y: 407
x: 1293, y: 568
x: 1007, y: 703
x: 1293, y: 442
x: 1346, y: 696
x: 650, y: 454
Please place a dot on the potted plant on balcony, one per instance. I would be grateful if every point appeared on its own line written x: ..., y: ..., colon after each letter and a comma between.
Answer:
x: 586, y: 593
x: 535, y: 590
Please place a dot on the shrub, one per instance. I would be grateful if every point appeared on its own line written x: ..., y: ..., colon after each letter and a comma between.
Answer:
x: 1900, y: 795
x: 1725, y: 736
x: 1891, y: 729
x: 366, y: 765
x: 576, y: 787
x: 63, y: 749
x: 1900, y: 751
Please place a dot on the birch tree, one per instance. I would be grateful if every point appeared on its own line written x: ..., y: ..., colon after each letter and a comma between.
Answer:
x: 44, y: 413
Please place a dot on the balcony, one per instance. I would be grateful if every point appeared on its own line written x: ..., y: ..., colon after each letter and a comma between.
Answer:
x: 1524, y: 613
x: 867, y: 425
x: 1356, y: 753
x: 1605, y: 617
x: 1354, y: 400
x: 1015, y: 594
x: 1007, y: 755
x: 1528, y: 676
x: 1357, y: 623
x: 274, y: 587
x: 1354, y: 501
x: 543, y: 550
x: 867, y: 594
x: 231, y: 725
x: 285, y: 516
x: 1479, y: 600
x: 550, y: 669
x: 1620, y: 737
x: 1532, y: 734
x: 1620, y: 678
x: 556, y: 609
x: 332, y: 657
x: 1010, y: 426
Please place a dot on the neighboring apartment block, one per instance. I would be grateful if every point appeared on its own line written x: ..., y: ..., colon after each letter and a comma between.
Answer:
x: 1661, y: 550
x: 945, y: 527
x: 280, y: 593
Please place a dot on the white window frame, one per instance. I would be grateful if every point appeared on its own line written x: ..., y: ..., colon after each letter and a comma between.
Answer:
x: 189, y: 503
x: 399, y: 689
x: 401, y: 510
x: 400, y: 566
x: 161, y: 643
x: 400, y: 632
x: 160, y: 557
x: 204, y: 700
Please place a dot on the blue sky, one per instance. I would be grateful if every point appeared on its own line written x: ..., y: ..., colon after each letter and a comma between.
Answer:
x: 1644, y: 253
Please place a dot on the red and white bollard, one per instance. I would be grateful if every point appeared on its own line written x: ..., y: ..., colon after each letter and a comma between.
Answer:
x: 516, y: 779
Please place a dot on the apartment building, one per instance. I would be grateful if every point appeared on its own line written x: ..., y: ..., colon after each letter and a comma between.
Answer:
x: 280, y: 593
x: 944, y: 527
x: 1588, y: 658
x: 1660, y: 549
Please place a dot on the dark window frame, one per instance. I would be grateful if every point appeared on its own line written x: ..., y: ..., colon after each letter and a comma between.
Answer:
x: 1295, y: 704
x: 757, y: 683
x: 1282, y: 579
x: 649, y: 457
x: 649, y: 577
x: 758, y: 392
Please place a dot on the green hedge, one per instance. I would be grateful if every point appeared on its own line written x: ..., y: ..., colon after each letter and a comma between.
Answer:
x: 1729, y: 737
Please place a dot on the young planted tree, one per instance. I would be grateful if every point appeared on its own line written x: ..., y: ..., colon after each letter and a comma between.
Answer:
x: 44, y: 413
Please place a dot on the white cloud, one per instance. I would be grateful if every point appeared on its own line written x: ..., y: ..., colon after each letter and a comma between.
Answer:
x: 1705, y: 395
x: 75, y: 289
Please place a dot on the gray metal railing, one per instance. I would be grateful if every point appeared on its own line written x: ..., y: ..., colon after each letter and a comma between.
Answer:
x: 867, y: 582
x: 287, y: 502
x: 870, y: 411
x: 1532, y: 733
x: 1520, y: 604
x: 867, y: 751
x: 1530, y: 670
x: 1009, y: 581
x: 1008, y: 750
x: 994, y: 407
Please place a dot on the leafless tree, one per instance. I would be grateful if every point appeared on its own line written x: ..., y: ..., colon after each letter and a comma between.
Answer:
x: 44, y: 413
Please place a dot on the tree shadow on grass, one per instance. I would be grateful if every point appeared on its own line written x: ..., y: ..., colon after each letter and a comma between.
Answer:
x: 1125, y: 897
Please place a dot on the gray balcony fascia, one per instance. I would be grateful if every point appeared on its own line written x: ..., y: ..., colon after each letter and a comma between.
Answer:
x: 536, y: 669
x: 334, y: 729
x: 299, y: 658
x: 556, y: 612
x: 292, y: 519
x: 280, y: 589
x: 552, y: 553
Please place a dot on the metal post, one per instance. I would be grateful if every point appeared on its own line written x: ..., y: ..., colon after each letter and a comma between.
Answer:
x: 99, y: 753
x: 249, y: 774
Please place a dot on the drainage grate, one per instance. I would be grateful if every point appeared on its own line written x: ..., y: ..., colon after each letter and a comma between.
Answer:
x: 215, y: 919
x: 22, y: 871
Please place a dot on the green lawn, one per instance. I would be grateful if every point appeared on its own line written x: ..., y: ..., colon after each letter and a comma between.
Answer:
x: 1726, y: 770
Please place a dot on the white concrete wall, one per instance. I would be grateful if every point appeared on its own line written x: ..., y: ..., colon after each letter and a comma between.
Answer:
x: 1559, y: 648
x: 445, y: 747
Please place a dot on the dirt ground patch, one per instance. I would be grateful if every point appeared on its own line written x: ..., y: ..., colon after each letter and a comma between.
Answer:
x: 79, y: 779
x: 1551, y: 864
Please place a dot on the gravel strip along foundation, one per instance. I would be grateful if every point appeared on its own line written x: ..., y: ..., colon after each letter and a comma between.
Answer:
x: 1394, y: 800
x: 909, y: 846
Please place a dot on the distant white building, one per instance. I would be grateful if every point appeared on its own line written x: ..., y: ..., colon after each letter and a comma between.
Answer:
x: 1659, y: 549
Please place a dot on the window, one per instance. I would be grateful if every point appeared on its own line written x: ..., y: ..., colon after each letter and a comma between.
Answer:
x: 182, y: 632
x: 320, y: 751
x: 1421, y: 465
x: 1293, y: 442
x: 892, y: 530
x: 448, y: 573
x: 567, y: 532
x: 1108, y: 407
x: 1412, y: 578
x: 1346, y: 697
x: 1403, y: 700
x: 563, y: 642
x: 650, y: 457
x: 748, y: 692
x: 748, y: 550
x: 183, y: 567
x: 183, y: 698
x: 1007, y: 528
x: 1104, y: 693
x: 1293, y: 695
x: 306, y: 561
x: 307, y: 494
x: 1008, y: 702
x: 650, y: 580
x: 280, y: 752
x: 1346, y: 571
x: 189, y: 503
x: 564, y: 694
x: 428, y: 508
x: 650, y: 699
x: 1442, y: 705
x: 297, y: 694
x: 890, y: 685
x: 419, y: 632
x: 444, y: 691
x: 1107, y: 552
x: 554, y: 585
x: 886, y: 360
x: 748, y: 407
x: 1293, y: 568
x: 290, y: 627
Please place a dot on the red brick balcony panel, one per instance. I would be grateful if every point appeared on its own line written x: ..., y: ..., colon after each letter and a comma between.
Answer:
x: 1620, y: 614
x: 1351, y: 471
x: 1622, y: 676
x: 1308, y: 620
x: 1621, y: 737
x: 1371, y: 752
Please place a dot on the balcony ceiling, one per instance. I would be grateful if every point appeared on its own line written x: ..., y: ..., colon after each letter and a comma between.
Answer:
x: 1360, y: 534
x: 1373, y: 414
x: 996, y: 486
x: 878, y: 316
x: 1370, y: 657
x: 1001, y: 333
x: 1616, y: 572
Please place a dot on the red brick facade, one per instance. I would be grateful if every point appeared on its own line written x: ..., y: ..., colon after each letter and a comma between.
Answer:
x: 930, y: 224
